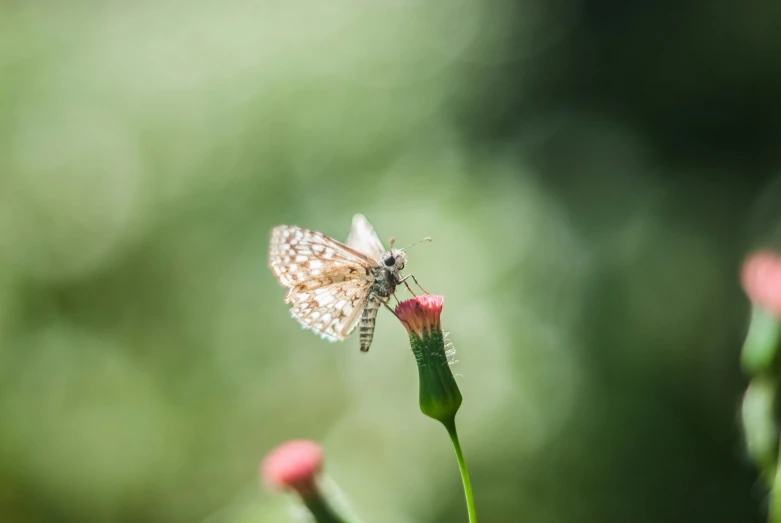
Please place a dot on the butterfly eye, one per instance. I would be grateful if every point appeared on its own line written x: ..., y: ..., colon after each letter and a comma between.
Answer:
x: 389, y: 261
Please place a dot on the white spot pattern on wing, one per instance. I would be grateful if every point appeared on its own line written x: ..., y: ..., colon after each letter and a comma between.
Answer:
x: 328, y: 283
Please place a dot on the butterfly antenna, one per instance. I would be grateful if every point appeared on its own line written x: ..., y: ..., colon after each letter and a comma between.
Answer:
x: 391, y: 242
x: 426, y: 239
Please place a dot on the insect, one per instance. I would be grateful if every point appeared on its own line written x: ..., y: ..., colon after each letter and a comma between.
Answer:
x: 332, y: 286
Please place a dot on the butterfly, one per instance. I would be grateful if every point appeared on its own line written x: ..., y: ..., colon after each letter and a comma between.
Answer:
x: 334, y: 287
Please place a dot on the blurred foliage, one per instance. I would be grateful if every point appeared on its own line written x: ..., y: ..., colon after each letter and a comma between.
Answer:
x: 592, y: 173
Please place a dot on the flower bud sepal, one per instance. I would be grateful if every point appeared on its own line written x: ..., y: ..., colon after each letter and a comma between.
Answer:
x: 440, y: 397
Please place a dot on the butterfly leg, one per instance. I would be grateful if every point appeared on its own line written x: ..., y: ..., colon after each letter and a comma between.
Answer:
x: 368, y: 317
x: 404, y: 281
x: 385, y: 302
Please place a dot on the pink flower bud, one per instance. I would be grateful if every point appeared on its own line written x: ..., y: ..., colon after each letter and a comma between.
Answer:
x: 761, y: 279
x: 293, y: 465
x: 421, y: 315
x: 439, y: 396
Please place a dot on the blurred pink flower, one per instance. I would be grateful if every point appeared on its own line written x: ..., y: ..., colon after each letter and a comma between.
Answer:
x: 293, y: 465
x: 421, y: 315
x: 761, y: 280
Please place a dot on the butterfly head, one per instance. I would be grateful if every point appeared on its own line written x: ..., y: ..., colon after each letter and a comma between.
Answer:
x: 394, y: 260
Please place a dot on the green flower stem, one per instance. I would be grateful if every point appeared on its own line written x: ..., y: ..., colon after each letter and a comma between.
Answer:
x: 775, y: 498
x: 760, y: 350
x: 450, y: 425
x: 440, y: 397
x: 760, y: 359
x: 759, y: 426
x: 321, y: 510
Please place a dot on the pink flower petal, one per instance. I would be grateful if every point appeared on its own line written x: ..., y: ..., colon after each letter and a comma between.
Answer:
x: 293, y: 465
x: 421, y: 314
x: 761, y: 280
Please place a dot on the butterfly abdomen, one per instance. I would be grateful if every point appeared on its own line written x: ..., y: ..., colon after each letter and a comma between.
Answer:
x: 367, y: 322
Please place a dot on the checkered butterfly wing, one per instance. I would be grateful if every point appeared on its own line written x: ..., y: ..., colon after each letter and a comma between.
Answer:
x: 328, y: 282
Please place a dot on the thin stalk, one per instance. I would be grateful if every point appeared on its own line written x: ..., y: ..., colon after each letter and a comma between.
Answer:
x: 775, y: 513
x: 321, y: 510
x: 450, y: 425
x: 775, y: 497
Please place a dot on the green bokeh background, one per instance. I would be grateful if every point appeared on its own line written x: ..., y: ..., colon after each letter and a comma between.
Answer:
x: 592, y: 173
